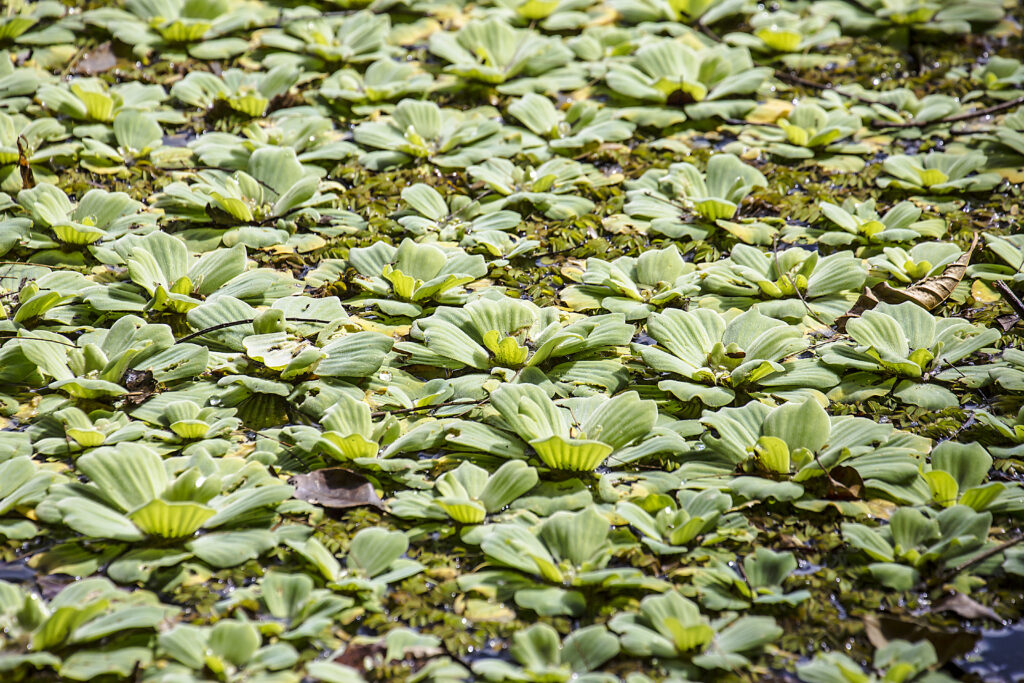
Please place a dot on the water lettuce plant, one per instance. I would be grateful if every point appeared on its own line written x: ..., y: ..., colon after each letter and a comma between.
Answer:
x: 787, y: 284
x: 914, y: 538
x: 568, y: 549
x: 938, y: 173
x: 860, y: 223
x: 495, y: 53
x: 468, y: 493
x: 398, y: 279
x: 526, y: 340
x: 583, y: 127
x: 132, y: 495
x: 578, y: 439
x: 787, y: 450
x: 715, y: 80
x: 672, y: 626
x: 902, y: 342
x: 541, y: 656
x: 421, y: 130
x: 716, y: 357
x: 509, y: 333
x: 665, y: 198
x: 633, y: 286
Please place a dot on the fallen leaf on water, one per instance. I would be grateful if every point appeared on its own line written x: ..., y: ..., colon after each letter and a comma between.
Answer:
x: 928, y: 293
x: 1007, y: 322
x: 97, y: 61
x: 335, y: 487
x: 845, y: 483
x: 882, y: 629
x: 356, y: 653
x: 964, y: 606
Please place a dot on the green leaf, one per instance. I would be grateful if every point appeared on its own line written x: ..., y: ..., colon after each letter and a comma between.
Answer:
x: 374, y: 550
x: 967, y: 464
x: 800, y: 425
x: 868, y: 540
x: 773, y: 453
x: 232, y: 548
x: 90, y: 665
x: 234, y: 641
x: 171, y: 519
x: 119, y: 621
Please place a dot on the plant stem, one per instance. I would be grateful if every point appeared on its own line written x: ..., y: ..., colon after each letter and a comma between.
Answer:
x: 235, y: 323
x: 434, y: 406
x: 976, y: 560
x: 1015, y: 303
x: 977, y: 113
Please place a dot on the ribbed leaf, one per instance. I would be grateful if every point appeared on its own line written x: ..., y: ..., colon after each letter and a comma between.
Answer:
x: 171, y: 519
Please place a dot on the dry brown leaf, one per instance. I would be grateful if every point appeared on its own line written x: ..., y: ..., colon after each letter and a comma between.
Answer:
x: 1008, y: 321
x: 97, y: 61
x: 335, y: 487
x: 928, y: 293
x: 964, y: 606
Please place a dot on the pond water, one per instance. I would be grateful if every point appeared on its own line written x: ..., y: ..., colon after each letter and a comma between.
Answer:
x: 999, y: 655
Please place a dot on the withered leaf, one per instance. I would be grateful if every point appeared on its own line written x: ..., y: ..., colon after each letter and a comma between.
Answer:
x: 97, y: 61
x: 964, y: 606
x: 140, y: 385
x: 1008, y: 321
x: 335, y: 487
x: 928, y: 293
x: 882, y: 629
x: 845, y: 483
x: 28, y: 178
x: 356, y: 653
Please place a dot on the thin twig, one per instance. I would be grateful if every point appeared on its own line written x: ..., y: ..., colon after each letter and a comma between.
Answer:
x: 416, y: 409
x: 836, y: 484
x: 706, y: 30
x: 236, y: 323
x: 775, y: 252
x: 793, y: 79
x: 744, y: 122
x: 52, y: 341
x: 974, y: 131
x: 1015, y: 303
x: 77, y: 57
x: 974, y: 561
x: 977, y: 113
x: 193, y: 169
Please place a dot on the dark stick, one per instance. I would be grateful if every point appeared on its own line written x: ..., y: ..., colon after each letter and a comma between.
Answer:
x: 416, y: 409
x: 814, y: 85
x: 235, y: 323
x: 976, y: 560
x: 1015, y: 303
x: 50, y: 341
x: 977, y: 113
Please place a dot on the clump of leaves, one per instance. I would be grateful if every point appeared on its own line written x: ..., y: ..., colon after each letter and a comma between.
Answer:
x: 422, y: 131
x: 904, y: 344
x: 916, y: 540
x: 634, y: 286
x: 672, y: 626
x: 938, y: 173
x: 710, y: 81
x: 716, y: 358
